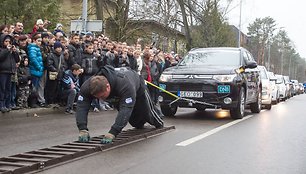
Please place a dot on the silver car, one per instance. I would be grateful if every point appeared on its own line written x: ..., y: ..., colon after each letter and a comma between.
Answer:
x: 281, y: 84
x: 275, y: 88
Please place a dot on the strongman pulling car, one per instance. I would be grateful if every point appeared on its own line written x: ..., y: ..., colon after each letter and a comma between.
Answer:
x: 131, y: 97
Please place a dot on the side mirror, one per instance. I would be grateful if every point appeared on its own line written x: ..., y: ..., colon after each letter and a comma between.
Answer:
x: 251, y: 64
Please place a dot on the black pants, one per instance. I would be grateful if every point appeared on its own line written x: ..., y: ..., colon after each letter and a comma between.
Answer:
x: 5, y: 90
x: 145, y: 110
x: 52, y: 89
x: 70, y: 95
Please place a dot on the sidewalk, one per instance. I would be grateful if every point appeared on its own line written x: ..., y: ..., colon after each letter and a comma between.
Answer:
x: 31, y: 112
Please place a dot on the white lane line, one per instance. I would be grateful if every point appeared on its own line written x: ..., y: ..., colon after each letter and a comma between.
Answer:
x: 211, y: 132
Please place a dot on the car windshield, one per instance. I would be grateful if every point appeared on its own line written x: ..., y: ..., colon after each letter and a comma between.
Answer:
x: 215, y: 57
x: 286, y: 78
x: 279, y: 79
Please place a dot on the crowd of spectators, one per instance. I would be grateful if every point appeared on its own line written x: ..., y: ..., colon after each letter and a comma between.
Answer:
x: 45, y: 68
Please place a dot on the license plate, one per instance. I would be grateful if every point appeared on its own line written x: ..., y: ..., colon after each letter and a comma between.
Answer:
x: 191, y: 94
x: 224, y: 89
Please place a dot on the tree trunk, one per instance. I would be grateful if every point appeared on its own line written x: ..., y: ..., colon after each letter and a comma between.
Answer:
x: 99, y: 9
x: 185, y: 21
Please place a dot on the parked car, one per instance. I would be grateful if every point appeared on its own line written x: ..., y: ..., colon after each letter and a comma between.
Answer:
x: 222, y: 77
x: 295, y: 87
x: 289, y: 87
x: 301, y: 88
x: 266, y: 88
x: 275, y: 89
x: 281, y: 84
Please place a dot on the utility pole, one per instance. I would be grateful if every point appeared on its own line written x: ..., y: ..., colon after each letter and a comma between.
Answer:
x: 269, y: 55
x: 289, y: 66
x: 84, y: 16
x: 239, y: 34
x: 282, y: 57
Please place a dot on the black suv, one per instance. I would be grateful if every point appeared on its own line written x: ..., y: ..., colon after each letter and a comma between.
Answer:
x: 225, y: 78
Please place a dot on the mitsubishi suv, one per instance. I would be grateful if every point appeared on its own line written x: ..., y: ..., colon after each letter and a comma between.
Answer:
x: 224, y: 77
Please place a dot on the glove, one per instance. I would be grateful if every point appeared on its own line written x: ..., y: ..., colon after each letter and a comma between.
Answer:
x: 84, y: 136
x: 107, y: 139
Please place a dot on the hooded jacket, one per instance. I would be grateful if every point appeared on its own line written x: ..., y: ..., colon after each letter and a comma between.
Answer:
x: 8, y: 59
x: 35, y: 60
x: 125, y: 86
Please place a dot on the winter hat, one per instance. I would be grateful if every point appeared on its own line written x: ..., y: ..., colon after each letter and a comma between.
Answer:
x: 39, y: 21
x: 89, y: 34
x: 57, y: 45
x: 58, y: 25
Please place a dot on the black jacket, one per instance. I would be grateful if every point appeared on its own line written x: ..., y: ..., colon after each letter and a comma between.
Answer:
x: 8, y: 59
x: 53, y: 64
x: 24, y: 75
x: 90, y: 64
x: 75, y: 53
x: 133, y: 62
x: 125, y: 86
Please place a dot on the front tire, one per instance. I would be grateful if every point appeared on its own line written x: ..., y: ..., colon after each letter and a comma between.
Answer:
x: 256, y: 107
x: 269, y: 106
x: 168, y: 111
x: 238, y: 112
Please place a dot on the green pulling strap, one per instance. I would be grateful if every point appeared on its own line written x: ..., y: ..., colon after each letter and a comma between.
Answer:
x: 173, y: 95
x: 180, y: 98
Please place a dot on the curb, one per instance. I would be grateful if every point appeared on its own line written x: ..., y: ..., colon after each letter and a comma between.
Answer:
x: 32, y: 112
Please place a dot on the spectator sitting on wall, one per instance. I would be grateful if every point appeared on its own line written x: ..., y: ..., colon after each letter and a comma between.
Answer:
x: 39, y: 27
x: 59, y: 28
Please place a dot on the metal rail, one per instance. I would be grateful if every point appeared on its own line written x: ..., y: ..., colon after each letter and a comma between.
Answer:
x: 47, y: 157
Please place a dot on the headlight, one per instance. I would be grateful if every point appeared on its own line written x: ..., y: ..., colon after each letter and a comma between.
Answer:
x: 165, y: 77
x: 224, y: 78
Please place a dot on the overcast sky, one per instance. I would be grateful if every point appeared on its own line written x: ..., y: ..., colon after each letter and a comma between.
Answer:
x: 290, y: 14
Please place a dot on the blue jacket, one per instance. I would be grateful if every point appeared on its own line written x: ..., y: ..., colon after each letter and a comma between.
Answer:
x: 35, y: 60
x: 68, y: 79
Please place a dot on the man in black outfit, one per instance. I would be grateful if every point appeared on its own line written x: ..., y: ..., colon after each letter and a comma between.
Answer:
x: 132, y: 100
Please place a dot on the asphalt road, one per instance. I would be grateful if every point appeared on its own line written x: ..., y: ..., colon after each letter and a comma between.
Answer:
x: 271, y: 142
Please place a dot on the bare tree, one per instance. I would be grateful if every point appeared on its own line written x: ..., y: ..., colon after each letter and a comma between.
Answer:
x: 186, y: 25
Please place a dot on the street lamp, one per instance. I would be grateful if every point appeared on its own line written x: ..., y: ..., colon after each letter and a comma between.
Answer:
x: 289, y: 65
x: 239, y: 34
x: 269, y: 55
x: 84, y: 15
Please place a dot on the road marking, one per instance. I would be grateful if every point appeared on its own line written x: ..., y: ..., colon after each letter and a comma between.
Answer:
x: 211, y: 132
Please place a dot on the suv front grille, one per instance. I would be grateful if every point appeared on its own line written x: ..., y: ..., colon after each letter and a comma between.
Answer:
x: 191, y: 87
